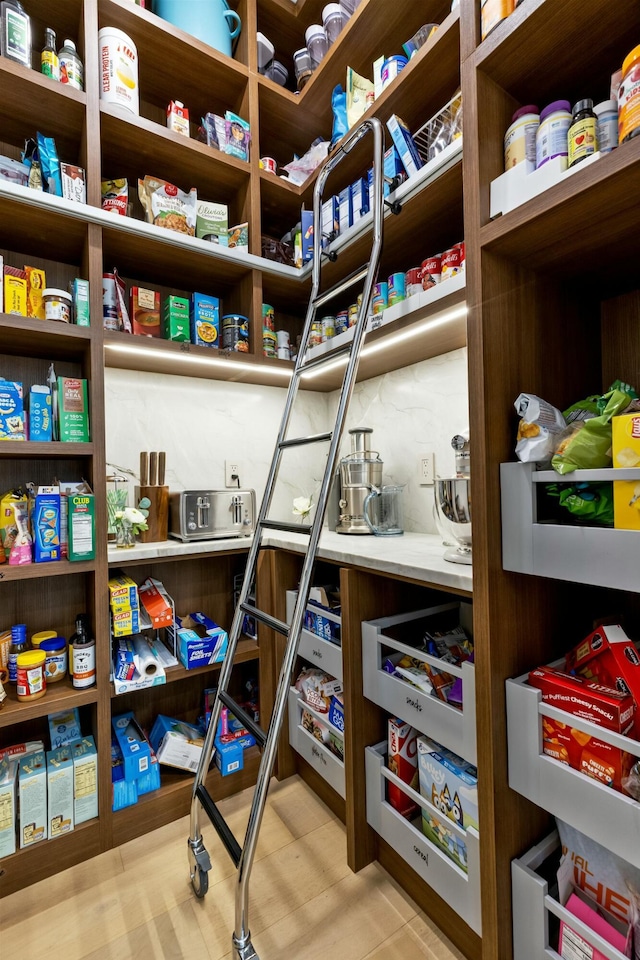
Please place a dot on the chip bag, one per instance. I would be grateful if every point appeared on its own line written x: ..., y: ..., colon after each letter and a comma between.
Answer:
x: 590, y: 502
x: 588, y: 444
x: 539, y: 426
x: 167, y: 206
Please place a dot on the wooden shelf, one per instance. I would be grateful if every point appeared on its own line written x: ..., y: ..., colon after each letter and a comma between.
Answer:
x: 53, y: 450
x: 49, y: 856
x: 61, y: 695
x: 25, y: 336
x: 43, y: 225
x: 526, y: 54
x: 34, y: 571
x: 569, y: 228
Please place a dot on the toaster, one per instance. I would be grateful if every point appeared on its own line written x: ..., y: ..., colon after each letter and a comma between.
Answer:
x: 209, y: 514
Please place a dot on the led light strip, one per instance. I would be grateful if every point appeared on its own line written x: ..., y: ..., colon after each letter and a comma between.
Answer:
x: 257, y: 368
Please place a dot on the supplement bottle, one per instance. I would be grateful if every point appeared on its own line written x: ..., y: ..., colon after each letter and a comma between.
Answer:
x: 607, y: 125
x: 15, y: 40
x: 49, y: 63
x: 82, y: 652
x: 582, y: 141
x: 71, y: 70
x: 629, y: 97
x: 551, y: 138
x: 520, y: 138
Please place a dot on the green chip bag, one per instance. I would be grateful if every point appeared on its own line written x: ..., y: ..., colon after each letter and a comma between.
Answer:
x: 590, y: 502
x: 587, y: 446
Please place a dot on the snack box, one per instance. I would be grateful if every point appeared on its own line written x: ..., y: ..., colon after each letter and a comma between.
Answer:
x: 81, y: 526
x: 136, y: 751
x: 205, y: 320
x: 451, y: 785
x: 11, y: 411
x: 176, y: 743
x: 157, y: 602
x: 176, y: 320
x: 85, y: 780
x: 73, y: 183
x: 572, y: 944
x: 60, y: 791
x: 212, y: 222
x: 144, y: 311
x: 592, y: 701
x: 40, y: 413
x: 15, y: 291
x: 45, y: 524
x: 403, y: 761
x: 32, y: 799
x: 64, y: 727
x: 123, y: 593
x: 8, y: 807
x: 608, y: 656
x: 230, y: 756
x: 80, y: 294
x: 124, y: 792
x: 404, y: 144
x: 73, y: 410
x: 626, y: 453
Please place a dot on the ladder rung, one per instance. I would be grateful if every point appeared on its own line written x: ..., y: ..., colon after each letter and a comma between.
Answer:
x: 325, y: 358
x: 241, y: 714
x: 340, y: 287
x: 286, y: 527
x: 272, y: 622
x: 223, y: 830
x: 303, y: 441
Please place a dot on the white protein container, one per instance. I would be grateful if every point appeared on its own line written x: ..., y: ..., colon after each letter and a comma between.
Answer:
x: 332, y: 20
x: 118, y: 69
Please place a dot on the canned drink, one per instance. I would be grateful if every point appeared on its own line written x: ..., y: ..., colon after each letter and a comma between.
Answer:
x: 268, y: 342
x: 269, y: 164
x: 450, y: 263
x: 268, y: 317
x: 396, y: 288
x: 342, y: 321
x: 328, y: 328
x: 235, y: 333
x: 315, y: 336
x: 380, y: 299
x: 431, y: 271
x: 413, y: 281
x: 353, y: 314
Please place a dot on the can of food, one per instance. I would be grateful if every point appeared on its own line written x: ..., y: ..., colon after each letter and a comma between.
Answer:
x: 328, y: 328
x: 57, y: 305
x: 431, y: 271
x: 55, y: 664
x: 268, y: 317
x: 235, y: 333
x: 31, y: 682
x: 450, y: 263
x: 353, y: 314
x: 118, y: 69
x: 315, y: 336
x: 269, y: 342
x: 413, y: 281
x: 461, y: 249
x: 391, y: 68
x: 269, y: 164
x: 284, y: 353
x: 342, y: 321
x: 109, y: 302
x: 397, y: 290
x: 283, y: 338
x: 380, y: 299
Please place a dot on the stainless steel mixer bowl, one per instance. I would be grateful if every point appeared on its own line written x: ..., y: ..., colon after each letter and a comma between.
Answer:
x: 453, y: 505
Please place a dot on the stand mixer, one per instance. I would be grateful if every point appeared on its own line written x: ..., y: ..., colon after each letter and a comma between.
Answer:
x: 360, y: 471
x: 453, y: 504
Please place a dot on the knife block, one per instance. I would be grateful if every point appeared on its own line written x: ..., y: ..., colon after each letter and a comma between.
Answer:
x: 158, y: 519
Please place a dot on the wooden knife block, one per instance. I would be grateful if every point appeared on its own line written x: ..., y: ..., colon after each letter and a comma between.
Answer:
x: 158, y: 519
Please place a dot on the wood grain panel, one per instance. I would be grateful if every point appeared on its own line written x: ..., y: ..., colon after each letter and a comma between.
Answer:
x: 621, y: 339
x: 51, y: 856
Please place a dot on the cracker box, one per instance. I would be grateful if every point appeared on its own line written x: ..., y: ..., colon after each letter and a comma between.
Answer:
x: 144, y: 311
x: 64, y: 727
x: 73, y: 410
x: 205, y: 320
x: 60, y: 791
x: 45, y: 524
x: 626, y: 453
x: 32, y: 799
x: 212, y: 222
x: 176, y: 319
x: 157, y: 602
x: 8, y: 807
x: 40, y: 413
x: 124, y: 793
x: 136, y: 752
x: 176, y: 743
x: 403, y: 761
x: 12, y: 422
x: 608, y: 656
x: 451, y: 785
x: 592, y: 701
x: 85, y: 780
x: 81, y: 526
x: 81, y: 306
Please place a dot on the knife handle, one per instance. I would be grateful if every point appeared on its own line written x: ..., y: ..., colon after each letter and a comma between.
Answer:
x: 153, y: 469
x: 162, y: 467
x: 144, y: 468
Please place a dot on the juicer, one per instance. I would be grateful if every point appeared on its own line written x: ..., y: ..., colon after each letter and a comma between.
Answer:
x: 360, y: 472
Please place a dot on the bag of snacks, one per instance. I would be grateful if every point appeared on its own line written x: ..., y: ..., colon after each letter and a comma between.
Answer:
x: 168, y: 207
x: 115, y: 196
x: 588, y: 443
x: 538, y: 429
x: 592, y: 503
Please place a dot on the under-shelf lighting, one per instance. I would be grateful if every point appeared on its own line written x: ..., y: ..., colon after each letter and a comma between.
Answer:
x: 260, y: 368
x: 456, y: 313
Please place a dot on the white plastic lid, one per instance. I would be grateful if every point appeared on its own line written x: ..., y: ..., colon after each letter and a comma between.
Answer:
x: 315, y: 30
x: 605, y: 107
x: 60, y: 294
x: 331, y: 10
x: 69, y: 43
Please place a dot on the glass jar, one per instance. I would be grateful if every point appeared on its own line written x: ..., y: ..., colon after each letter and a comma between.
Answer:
x: 117, y: 500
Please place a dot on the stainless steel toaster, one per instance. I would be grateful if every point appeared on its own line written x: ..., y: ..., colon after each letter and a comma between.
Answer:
x: 211, y: 514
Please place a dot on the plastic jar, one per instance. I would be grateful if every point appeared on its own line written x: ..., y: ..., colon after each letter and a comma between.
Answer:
x: 303, y: 66
x: 70, y: 65
x: 581, y: 140
x: 391, y: 68
x: 118, y: 69
x: 332, y: 20
x: 316, y: 42
x: 607, y: 125
x: 38, y: 638
x: 57, y: 304
x: 629, y: 97
x: 31, y: 682
x: 551, y: 138
x: 520, y: 138
x: 55, y: 663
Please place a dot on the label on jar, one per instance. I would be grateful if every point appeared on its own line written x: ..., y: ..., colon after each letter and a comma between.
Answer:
x: 55, y: 309
x: 30, y: 681
x: 13, y: 667
x: 84, y: 665
x: 55, y: 666
x: 551, y: 140
x: 520, y: 142
x: 71, y: 72
x: 582, y: 139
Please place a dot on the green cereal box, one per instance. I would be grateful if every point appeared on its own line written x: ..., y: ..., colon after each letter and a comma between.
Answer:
x: 80, y: 293
x: 175, y: 319
x: 73, y: 410
x: 81, y: 526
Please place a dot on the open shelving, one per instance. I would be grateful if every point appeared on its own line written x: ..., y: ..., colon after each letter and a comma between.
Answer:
x: 61, y: 695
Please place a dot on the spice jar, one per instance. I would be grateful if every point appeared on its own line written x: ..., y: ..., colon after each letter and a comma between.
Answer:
x: 55, y: 663
x: 582, y: 141
x: 31, y: 682
x: 629, y: 97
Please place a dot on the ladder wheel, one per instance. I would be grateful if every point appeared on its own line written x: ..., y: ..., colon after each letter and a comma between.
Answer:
x: 200, y: 882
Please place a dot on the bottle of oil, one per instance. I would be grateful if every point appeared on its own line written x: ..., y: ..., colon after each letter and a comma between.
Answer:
x: 49, y: 63
x: 15, y: 41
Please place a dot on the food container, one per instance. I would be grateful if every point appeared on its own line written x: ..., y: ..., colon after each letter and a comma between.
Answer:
x: 266, y: 51
x: 328, y: 328
x: 316, y: 42
x: 413, y: 281
x: 31, y: 682
x: 552, y: 135
x: 333, y: 23
x: 315, y: 335
x: 269, y: 342
x: 380, y: 299
x: 268, y: 316
x: 450, y: 263
x: 520, y: 138
x: 277, y: 72
x: 57, y: 305
x: 269, y: 165
x: 38, y: 638
x: 431, y: 271
x: 494, y: 12
x: 396, y: 287
x: 353, y: 314
x: 284, y: 353
x: 391, y: 68
x: 342, y: 321
x: 235, y: 333
x: 55, y: 664
x: 118, y: 69
x: 629, y: 97
x: 607, y: 125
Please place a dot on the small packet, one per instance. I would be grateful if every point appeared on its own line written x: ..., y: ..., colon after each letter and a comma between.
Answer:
x: 540, y: 423
x: 115, y: 196
x: 588, y: 445
x: 51, y: 178
x: 358, y: 90
x: 168, y: 207
x: 124, y: 321
x: 592, y: 503
x: 238, y: 136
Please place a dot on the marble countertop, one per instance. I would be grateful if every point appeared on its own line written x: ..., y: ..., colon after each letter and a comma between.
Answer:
x: 417, y: 556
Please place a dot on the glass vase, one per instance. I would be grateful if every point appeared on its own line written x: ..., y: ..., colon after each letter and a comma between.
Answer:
x: 125, y: 536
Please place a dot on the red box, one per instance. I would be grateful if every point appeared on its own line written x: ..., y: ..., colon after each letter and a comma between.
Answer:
x: 608, y: 656
x: 157, y: 603
x: 403, y: 761
x: 145, y: 312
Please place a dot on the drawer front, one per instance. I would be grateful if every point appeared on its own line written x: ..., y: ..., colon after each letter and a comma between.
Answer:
x: 315, y: 753
x: 321, y: 653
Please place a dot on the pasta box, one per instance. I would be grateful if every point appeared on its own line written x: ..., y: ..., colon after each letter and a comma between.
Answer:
x: 64, y: 727
x: 8, y: 806
x: 32, y: 794
x: 60, y: 791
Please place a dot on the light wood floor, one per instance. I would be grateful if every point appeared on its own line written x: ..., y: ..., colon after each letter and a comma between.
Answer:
x: 135, y: 902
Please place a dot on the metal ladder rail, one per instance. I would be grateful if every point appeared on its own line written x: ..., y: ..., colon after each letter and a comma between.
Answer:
x: 243, y: 857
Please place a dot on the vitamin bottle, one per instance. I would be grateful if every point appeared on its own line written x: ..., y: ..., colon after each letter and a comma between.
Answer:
x: 71, y: 70
x: 82, y: 649
x: 49, y: 63
x: 629, y: 97
x: 607, y: 125
x: 582, y: 138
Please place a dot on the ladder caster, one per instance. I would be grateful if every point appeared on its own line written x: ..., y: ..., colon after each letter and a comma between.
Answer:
x: 199, y: 866
x: 243, y: 951
x: 395, y: 207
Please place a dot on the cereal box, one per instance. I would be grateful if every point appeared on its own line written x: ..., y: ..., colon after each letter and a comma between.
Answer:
x: 451, y: 785
x: 60, y: 791
x: 8, y: 808
x: 205, y: 320
x: 403, y: 761
x: 73, y: 410
x: 32, y: 791
x: 11, y: 411
x: 626, y: 453
x: 145, y: 312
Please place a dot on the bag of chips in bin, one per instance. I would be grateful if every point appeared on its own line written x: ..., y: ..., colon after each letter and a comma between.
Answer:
x: 538, y: 429
x: 588, y: 444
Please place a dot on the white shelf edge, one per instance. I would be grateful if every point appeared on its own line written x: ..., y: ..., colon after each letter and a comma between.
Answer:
x: 582, y: 476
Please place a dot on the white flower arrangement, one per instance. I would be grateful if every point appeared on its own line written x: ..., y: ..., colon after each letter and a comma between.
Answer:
x: 302, y: 507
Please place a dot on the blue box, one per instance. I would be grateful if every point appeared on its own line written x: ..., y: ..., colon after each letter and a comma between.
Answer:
x: 345, y: 209
x: 124, y: 665
x: 135, y: 748
x: 230, y: 756
x: 11, y: 411
x: 40, y: 413
x: 306, y: 220
x: 360, y: 198
x: 405, y: 146
x: 124, y: 792
x: 195, y: 651
x: 64, y: 727
x: 45, y: 524
x: 330, y: 220
x: 205, y: 320
x: 150, y: 780
x: 336, y: 713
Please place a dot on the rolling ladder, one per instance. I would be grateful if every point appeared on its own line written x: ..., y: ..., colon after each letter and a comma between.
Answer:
x: 242, y: 856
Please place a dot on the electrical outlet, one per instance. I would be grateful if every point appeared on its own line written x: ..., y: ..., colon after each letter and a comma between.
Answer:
x: 231, y: 473
x: 427, y: 470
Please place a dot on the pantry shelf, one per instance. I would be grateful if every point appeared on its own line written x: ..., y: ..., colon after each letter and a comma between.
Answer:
x: 34, y: 863
x: 572, y: 226
x: 61, y: 695
x: 171, y: 550
x: 35, y: 571
x: 25, y: 336
x: 173, y: 799
x: 55, y: 449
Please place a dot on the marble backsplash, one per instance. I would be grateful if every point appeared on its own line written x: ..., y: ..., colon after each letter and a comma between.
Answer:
x: 201, y: 423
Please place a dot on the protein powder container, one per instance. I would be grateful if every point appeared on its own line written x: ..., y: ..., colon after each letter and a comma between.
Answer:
x: 551, y: 138
x: 520, y: 138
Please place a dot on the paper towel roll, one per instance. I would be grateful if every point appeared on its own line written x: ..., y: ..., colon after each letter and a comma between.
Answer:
x: 146, y: 663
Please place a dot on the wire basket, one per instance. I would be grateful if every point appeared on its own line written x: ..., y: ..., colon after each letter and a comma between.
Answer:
x: 438, y: 132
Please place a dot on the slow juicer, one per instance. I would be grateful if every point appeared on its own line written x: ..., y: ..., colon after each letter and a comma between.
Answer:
x: 360, y: 470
